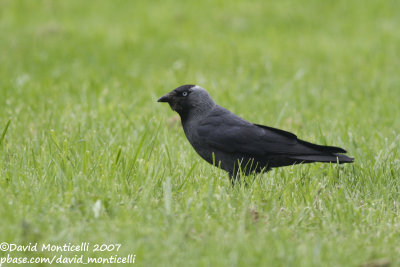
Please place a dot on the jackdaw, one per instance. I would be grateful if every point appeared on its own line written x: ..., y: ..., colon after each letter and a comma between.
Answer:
x: 236, y: 145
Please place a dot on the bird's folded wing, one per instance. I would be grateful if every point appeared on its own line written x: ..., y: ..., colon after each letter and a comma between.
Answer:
x: 235, y: 135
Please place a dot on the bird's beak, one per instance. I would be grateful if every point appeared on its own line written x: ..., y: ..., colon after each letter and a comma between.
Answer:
x: 165, y: 98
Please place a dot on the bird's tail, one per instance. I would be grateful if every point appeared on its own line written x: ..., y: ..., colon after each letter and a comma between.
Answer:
x: 322, y: 154
x: 334, y: 158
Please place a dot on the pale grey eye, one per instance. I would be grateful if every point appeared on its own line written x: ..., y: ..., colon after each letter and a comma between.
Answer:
x: 184, y: 94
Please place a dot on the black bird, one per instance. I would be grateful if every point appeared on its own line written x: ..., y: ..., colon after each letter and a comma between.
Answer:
x: 236, y: 145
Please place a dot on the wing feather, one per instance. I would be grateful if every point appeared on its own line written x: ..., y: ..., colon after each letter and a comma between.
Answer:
x: 227, y: 132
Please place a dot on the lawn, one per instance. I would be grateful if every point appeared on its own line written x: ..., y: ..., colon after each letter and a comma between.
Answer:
x: 88, y: 155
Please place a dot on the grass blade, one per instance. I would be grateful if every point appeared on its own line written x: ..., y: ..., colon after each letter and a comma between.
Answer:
x: 3, y: 134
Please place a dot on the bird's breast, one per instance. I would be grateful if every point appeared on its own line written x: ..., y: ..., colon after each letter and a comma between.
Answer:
x: 201, y: 148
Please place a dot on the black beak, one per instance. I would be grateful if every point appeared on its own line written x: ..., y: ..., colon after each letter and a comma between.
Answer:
x: 165, y: 98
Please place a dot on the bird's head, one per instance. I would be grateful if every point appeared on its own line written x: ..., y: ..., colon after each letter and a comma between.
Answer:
x: 188, y: 100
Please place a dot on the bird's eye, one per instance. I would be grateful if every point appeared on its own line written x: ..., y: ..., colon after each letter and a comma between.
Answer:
x: 184, y: 94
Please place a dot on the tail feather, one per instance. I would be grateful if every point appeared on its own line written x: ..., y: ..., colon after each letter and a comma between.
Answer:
x: 327, y: 149
x: 321, y: 154
x: 334, y: 158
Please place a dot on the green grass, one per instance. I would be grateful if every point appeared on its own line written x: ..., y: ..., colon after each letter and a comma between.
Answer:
x: 86, y: 153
